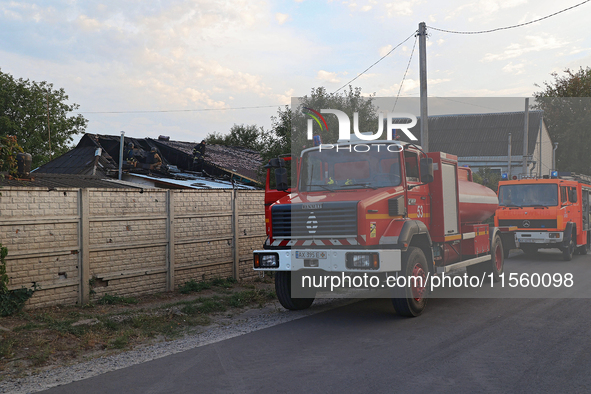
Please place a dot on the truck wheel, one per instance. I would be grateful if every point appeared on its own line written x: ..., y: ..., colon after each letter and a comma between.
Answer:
x: 410, y: 301
x: 494, y: 266
x: 283, y: 291
x: 567, y: 251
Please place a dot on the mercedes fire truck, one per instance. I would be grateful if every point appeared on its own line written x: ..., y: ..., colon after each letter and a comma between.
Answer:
x: 548, y: 212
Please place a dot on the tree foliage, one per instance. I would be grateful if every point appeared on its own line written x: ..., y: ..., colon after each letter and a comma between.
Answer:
x: 245, y: 136
x: 566, y: 104
x: 349, y: 101
x: 32, y: 111
x: 288, y: 133
x: 9, y: 148
x: 487, y: 177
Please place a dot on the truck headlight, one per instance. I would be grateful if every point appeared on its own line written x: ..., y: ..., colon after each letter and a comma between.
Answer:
x: 554, y: 235
x: 266, y: 260
x: 363, y: 261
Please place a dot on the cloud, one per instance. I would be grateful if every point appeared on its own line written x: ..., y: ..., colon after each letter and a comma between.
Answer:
x: 385, y: 50
x: 538, y: 43
x: 514, y: 69
x: 281, y: 18
x: 400, y: 8
x: 327, y: 76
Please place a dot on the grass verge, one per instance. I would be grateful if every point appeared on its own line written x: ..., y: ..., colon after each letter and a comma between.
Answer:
x: 36, y: 338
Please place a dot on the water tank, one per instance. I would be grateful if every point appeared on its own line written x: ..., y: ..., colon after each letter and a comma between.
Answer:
x: 477, y: 202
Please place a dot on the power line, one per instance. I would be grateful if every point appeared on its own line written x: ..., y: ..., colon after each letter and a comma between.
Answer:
x: 509, y: 27
x: 382, y: 58
x: 179, y: 110
x: 406, y: 71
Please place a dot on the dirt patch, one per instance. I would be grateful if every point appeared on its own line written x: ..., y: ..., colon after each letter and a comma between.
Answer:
x: 39, y: 339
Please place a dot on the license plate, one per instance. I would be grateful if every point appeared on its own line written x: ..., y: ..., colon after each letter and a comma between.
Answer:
x: 310, y: 255
x: 526, y: 240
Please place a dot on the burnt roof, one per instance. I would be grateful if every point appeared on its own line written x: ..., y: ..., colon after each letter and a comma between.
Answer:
x: 242, y: 161
x: 467, y: 135
x: 220, y: 161
x: 80, y: 160
x: 75, y: 181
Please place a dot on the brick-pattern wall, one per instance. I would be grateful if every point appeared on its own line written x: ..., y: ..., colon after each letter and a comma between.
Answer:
x: 129, y: 244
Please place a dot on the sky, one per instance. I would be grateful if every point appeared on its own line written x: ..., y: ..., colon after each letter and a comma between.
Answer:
x: 175, y: 68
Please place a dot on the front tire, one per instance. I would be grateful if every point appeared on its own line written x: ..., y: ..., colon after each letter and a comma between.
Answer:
x: 496, y: 265
x: 283, y: 291
x: 567, y: 251
x: 411, y: 300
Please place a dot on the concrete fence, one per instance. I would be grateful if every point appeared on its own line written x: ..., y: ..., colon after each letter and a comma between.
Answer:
x: 78, y: 244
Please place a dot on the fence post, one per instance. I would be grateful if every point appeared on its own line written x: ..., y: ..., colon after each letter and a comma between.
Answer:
x: 235, y: 235
x: 170, y: 240
x: 84, y: 243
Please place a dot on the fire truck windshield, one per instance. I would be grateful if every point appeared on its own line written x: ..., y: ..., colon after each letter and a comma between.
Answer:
x: 528, y: 195
x: 332, y: 170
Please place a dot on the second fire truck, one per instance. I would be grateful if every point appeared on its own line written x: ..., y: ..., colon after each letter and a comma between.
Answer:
x: 548, y: 212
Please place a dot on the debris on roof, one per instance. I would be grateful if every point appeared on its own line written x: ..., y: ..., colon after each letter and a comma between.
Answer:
x: 99, y: 154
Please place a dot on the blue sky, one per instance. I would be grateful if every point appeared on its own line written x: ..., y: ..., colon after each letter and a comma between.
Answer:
x: 206, y: 54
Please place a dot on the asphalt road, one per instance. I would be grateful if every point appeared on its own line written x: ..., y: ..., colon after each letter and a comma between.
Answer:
x: 457, y: 345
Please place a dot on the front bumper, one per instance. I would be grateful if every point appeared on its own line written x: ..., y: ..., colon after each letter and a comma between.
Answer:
x: 539, y: 237
x: 332, y: 260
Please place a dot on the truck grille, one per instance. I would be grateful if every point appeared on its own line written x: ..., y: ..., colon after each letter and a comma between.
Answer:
x: 320, y: 220
x: 529, y: 223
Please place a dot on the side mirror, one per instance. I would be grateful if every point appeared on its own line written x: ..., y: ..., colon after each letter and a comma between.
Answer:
x: 572, y: 196
x: 281, y: 179
x: 275, y: 163
x: 426, y: 170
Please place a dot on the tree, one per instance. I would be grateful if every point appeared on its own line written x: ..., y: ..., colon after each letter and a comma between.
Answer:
x: 245, y: 136
x: 289, y: 128
x: 9, y: 148
x: 485, y: 176
x: 34, y: 112
x: 567, y: 114
x: 349, y: 101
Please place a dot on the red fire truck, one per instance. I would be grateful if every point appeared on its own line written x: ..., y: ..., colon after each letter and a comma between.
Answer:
x: 549, y: 212
x: 382, y: 207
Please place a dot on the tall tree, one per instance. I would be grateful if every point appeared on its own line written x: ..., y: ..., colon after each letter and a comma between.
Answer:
x: 39, y: 116
x: 246, y: 136
x: 349, y: 101
x: 566, y: 102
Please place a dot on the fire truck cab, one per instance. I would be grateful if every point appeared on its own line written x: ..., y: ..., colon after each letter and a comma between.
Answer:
x: 550, y: 212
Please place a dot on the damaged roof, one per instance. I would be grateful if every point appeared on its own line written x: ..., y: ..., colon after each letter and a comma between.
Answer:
x: 81, y: 160
x: 221, y: 162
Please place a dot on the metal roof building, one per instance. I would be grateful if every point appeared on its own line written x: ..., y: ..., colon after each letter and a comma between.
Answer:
x: 482, y: 140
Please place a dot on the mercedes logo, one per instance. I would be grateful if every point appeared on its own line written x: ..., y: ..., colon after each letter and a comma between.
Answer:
x: 526, y: 223
x: 312, y: 224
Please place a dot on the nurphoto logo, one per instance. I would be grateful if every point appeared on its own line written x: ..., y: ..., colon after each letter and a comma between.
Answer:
x: 345, y: 124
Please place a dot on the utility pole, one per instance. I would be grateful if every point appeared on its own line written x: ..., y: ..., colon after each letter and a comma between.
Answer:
x: 121, y: 154
x: 423, y: 75
x: 509, y: 158
x: 49, y: 128
x: 525, y: 135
